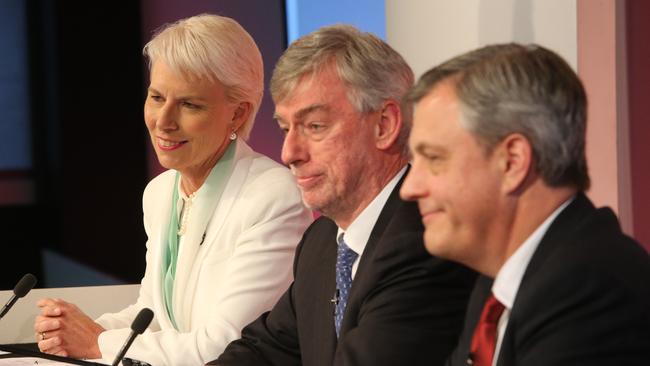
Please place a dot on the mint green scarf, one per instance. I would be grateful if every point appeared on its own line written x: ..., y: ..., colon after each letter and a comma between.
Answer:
x: 214, y: 185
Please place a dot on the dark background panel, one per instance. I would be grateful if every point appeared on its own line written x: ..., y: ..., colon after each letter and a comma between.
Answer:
x: 88, y: 132
x: 91, y: 152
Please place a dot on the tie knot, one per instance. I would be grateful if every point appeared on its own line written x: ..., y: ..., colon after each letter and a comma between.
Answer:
x: 492, y: 310
x: 346, y: 256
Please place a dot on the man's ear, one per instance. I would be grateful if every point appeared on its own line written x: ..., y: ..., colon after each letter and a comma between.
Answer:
x: 389, y: 125
x: 515, y: 161
x: 240, y: 115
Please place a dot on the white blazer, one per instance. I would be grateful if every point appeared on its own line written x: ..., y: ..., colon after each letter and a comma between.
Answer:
x: 241, y: 269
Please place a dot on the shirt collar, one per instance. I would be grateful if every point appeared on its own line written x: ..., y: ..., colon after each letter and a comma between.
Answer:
x: 506, y: 284
x: 358, y: 233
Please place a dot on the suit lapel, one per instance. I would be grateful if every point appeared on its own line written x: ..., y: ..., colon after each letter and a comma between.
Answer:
x: 325, y: 305
x: 313, y: 291
x: 558, y: 234
x: 365, y: 276
x: 561, y: 228
x: 560, y: 231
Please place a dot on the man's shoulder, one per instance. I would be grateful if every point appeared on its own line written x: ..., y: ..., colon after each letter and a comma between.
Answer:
x: 318, y: 239
x: 398, y: 217
x: 588, y: 288
x: 583, y: 236
x: 598, y: 245
x: 576, y: 266
x: 322, y: 225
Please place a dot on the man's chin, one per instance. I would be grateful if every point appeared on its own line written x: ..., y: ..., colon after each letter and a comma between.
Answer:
x: 435, y: 247
x: 429, y: 247
x: 321, y: 208
x: 313, y: 200
x: 311, y: 206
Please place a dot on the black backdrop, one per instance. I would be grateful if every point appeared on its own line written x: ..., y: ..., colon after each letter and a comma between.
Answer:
x: 90, y: 145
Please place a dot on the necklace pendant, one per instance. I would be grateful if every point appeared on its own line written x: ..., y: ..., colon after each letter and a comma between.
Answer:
x: 186, y: 213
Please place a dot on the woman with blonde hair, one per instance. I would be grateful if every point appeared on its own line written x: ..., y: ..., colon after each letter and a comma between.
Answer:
x: 222, y: 223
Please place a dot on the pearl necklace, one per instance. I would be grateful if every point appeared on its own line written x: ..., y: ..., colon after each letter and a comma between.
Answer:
x: 187, y: 206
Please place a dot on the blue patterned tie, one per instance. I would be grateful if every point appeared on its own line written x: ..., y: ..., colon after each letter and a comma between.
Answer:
x: 344, y: 260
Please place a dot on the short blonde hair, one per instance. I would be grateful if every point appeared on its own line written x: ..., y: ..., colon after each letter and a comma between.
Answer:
x: 214, y: 47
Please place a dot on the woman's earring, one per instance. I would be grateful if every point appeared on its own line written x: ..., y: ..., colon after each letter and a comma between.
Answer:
x: 233, y: 136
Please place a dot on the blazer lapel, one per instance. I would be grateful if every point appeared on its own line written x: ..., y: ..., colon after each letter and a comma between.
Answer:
x: 160, y: 225
x: 239, y: 172
x: 185, y: 281
x: 207, y: 215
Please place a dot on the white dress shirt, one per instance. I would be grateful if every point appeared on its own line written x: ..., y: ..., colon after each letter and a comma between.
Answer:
x: 506, y: 284
x: 357, y: 235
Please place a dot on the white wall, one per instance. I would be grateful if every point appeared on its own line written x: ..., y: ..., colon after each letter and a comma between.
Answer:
x: 427, y: 32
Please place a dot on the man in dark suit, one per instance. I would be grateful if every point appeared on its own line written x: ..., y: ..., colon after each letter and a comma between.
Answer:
x: 499, y: 172
x: 365, y: 290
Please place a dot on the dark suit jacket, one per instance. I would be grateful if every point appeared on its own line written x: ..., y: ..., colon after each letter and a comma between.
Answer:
x: 584, y: 298
x: 404, y: 308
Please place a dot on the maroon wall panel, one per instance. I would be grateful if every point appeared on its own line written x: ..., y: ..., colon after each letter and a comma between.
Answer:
x: 638, y: 57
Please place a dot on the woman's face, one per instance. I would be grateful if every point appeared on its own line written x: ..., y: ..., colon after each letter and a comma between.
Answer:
x: 189, y: 120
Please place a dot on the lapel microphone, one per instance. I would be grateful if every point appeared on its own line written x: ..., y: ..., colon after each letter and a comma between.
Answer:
x: 140, y: 323
x: 22, y: 288
x: 335, y: 300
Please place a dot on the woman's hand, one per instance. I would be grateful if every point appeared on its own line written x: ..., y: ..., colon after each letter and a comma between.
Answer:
x: 64, y: 330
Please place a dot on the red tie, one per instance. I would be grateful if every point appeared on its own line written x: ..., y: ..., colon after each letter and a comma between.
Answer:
x: 485, y: 335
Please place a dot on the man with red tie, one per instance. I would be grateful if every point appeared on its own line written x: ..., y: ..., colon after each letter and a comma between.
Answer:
x: 499, y: 173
